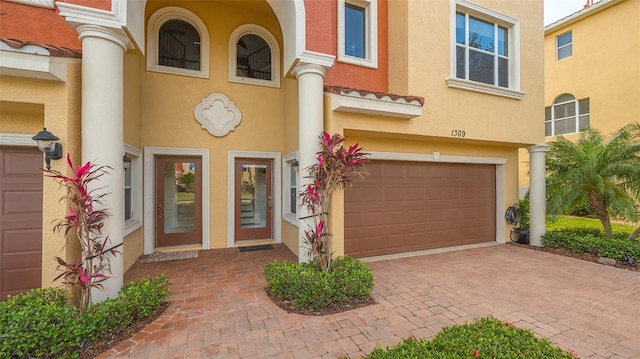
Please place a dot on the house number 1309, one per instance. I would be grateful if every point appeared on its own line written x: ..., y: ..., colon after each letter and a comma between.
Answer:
x: 457, y: 133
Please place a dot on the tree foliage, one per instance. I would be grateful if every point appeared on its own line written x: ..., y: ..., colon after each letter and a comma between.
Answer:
x: 602, y: 171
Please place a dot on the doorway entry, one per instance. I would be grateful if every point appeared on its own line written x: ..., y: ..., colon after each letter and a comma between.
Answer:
x: 253, y: 195
x: 178, y: 200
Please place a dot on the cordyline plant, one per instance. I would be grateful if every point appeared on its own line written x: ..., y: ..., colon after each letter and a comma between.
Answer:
x: 328, y: 174
x: 85, y: 222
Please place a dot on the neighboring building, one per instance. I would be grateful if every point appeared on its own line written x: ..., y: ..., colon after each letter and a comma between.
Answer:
x: 219, y: 105
x: 592, y: 79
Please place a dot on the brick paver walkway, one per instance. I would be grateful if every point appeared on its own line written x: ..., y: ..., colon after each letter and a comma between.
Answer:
x: 220, y: 309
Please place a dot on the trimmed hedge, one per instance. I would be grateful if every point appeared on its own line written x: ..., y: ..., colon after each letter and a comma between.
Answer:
x: 594, y: 242
x: 305, y: 286
x: 41, y: 324
x: 485, y: 338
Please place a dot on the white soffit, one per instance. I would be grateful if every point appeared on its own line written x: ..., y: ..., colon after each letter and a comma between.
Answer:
x: 30, y: 61
x: 375, y: 104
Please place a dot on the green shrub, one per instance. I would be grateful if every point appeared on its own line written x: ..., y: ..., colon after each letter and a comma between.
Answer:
x: 308, y: 287
x: 485, y: 338
x: 524, y: 206
x: 40, y: 323
x: 592, y: 241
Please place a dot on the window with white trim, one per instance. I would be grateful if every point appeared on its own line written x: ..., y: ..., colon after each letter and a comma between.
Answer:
x: 132, y: 191
x: 484, y: 51
x: 564, y: 45
x: 358, y: 32
x: 291, y: 191
x: 254, y: 56
x: 177, y: 43
x: 567, y: 115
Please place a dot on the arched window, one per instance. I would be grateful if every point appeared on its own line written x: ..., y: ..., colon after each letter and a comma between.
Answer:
x: 567, y: 115
x: 254, y: 56
x: 177, y: 43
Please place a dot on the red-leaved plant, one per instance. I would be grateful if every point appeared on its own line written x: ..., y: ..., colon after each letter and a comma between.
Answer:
x: 328, y: 174
x: 84, y: 222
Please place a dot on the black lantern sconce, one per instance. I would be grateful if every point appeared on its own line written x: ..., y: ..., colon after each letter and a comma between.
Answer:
x: 47, y: 144
x: 126, y: 162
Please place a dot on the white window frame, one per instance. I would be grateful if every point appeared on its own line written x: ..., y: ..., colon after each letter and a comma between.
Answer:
x: 578, y: 114
x: 156, y: 21
x: 289, y: 165
x: 135, y: 222
x: 563, y: 46
x: 371, y: 33
x: 253, y: 29
x: 513, y: 27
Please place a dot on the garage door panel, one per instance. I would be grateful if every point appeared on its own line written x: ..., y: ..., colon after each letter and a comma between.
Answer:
x: 20, y: 219
x: 426, y: 205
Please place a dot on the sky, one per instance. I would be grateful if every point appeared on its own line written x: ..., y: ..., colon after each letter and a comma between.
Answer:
x: 557, y: 9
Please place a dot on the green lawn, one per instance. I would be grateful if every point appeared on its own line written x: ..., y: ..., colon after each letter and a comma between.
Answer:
x: 582, y: 222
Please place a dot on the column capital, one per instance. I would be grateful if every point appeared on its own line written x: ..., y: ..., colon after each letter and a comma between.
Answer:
x: 105, y: 33
x: 538, y: 148
x: 313, y: 62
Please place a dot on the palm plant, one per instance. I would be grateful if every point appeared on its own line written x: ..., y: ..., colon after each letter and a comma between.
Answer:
x: 604, y: 172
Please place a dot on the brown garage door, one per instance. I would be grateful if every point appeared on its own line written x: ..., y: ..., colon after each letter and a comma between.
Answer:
x: 408, y: 206
x: 20, y: 220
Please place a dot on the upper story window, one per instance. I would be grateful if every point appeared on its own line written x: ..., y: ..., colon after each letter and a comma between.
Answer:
x: 567, y: 115
x: 358, y: 32
x: 254, y: 56
x: 177, y: 43
x: 564, y: 45
x: 485, y: 53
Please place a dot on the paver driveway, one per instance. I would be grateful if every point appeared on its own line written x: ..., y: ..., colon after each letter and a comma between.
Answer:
x: 220, y: 309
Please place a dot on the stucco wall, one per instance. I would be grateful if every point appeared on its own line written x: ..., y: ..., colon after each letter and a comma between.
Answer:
x: 420, y: 63
x: 55, y: 105
x: 168, y: 102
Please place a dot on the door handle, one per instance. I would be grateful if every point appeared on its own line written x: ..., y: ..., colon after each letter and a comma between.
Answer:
x: 269, y: 203
x: 159, y: 206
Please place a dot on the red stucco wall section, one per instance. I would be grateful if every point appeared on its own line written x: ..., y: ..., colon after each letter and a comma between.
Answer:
x: 44, y: 26
x: 96, y: 4
x: 322, y: 36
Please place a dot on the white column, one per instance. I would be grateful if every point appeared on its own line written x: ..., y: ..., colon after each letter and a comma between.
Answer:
x: 537, y: 194
x: 102, y: 132
x: 310, y: 73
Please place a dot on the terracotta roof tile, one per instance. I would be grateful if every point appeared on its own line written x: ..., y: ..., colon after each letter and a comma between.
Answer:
x: 53, y: 50
x: 379, y: 95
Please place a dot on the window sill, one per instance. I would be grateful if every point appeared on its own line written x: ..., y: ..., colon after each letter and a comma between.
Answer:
x: 252, y: 81
x: 291, y: 218
x: 131, y: 226
x: 370, y: 63
x: 178, y: 71
x: 484, y: 88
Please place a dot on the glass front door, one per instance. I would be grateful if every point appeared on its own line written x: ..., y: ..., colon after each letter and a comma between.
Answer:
x: 253, y: 199
x: 178, y: 201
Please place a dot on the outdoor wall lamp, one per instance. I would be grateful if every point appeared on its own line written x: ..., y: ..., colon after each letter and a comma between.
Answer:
x: 47, y: 144
x: 295, y: 163
x: 126, y: 162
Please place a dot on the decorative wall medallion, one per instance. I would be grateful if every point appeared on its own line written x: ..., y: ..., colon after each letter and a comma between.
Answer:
x: 217, y: 114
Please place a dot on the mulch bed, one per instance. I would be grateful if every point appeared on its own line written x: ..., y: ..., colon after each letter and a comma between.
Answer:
x: 583, y: 256
x: 334, y: 309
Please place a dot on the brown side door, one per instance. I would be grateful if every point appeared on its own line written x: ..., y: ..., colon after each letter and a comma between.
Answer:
x: 253, y: 214
x: 20, y: 220
x: 178, y: 200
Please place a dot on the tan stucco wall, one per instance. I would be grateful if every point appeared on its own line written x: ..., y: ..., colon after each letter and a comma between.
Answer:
x: 58, y: 109
x: 168, y: 102
x: 134, y: 242
x: 420, y: 62
x: 603, y: 68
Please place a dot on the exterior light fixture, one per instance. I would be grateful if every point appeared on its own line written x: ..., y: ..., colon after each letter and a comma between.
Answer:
x: 47, y: 144
x: 126, y: 162
x: 295, y: 163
